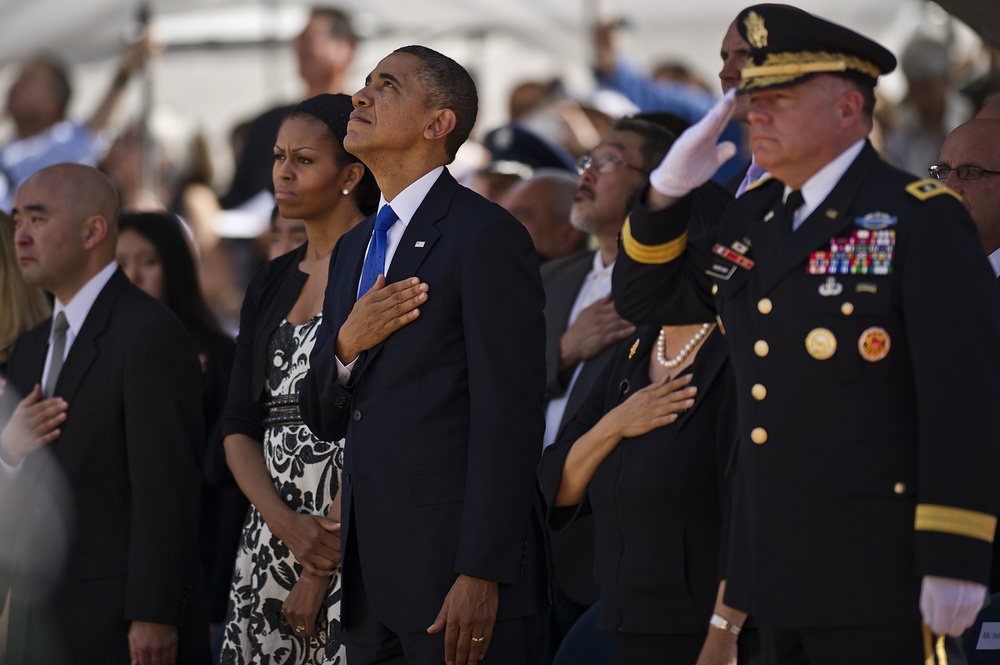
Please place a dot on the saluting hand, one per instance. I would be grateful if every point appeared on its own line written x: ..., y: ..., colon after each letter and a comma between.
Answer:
x: 379, y: 313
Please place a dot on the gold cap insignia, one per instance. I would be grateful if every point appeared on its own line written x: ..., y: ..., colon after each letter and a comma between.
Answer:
x: 756, y: 32
x: 874, y: 344
x: 821, y: 343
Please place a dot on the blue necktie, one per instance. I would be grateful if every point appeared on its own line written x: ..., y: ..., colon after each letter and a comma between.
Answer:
x: 375, y: 260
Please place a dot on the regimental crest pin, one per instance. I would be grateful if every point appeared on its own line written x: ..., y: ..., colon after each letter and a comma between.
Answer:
x: 756, y: 32
x: 873, y: 345
x: 831, y: 287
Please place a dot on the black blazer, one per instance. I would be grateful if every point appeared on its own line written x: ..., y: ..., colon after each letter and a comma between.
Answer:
x: 856, y: 474
x: 444, y: 418
x: 657, y: 500
x: 129, y: 454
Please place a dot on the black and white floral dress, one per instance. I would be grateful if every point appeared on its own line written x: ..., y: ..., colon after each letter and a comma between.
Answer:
x: 306, y: 473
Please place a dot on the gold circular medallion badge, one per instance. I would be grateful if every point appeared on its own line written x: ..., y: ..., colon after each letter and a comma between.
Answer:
x: 820, y: 343
x: 874, y: 344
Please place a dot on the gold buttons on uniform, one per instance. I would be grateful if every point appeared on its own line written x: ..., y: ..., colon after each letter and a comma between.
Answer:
x: 847, y: 309
x: 758, y: 435
x: 758, y: 391
x: 761, y: 348
x: 715, y: 289
x: 899, y: 488
x: 764, y: 305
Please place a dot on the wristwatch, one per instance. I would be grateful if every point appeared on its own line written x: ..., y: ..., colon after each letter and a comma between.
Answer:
x: 724, y: 624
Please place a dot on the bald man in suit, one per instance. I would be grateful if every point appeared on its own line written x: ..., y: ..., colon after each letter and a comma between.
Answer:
x: 112, y: 412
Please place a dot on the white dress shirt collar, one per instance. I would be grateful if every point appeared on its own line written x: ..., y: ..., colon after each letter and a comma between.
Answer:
x: 818, y: 187
x: 79, y: 306
x: 995, y: 261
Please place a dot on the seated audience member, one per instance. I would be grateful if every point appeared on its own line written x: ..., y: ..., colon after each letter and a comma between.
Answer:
x: 154, y: 250
x: 515, y: 153
x: 931, y: 109
x: 37, y: 102
x: 22, y: 306
x: 542, y: 203
x: 688, y: 102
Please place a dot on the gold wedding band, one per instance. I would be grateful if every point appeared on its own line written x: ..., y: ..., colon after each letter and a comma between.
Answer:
x: 478, y: 639
x: 299, y: 629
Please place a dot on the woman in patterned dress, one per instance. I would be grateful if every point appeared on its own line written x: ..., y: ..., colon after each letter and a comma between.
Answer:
x: 284, y: 605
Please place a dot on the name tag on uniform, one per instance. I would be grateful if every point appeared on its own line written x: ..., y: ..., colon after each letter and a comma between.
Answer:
x: 989, y: 637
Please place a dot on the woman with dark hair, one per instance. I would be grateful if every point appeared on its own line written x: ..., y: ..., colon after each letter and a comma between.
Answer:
x: 155, y: 252
x: 285, y: 599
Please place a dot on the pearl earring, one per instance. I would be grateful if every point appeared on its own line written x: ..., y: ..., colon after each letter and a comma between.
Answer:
x: 345, y: 191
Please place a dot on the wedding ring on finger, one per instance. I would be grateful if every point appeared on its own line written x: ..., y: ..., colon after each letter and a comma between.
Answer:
x: 477, y: 640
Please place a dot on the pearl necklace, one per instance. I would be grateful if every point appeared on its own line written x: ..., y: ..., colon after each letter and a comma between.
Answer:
x: 661, y: 345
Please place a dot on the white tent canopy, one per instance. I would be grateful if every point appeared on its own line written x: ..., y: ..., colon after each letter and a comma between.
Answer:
x: 501, y: 41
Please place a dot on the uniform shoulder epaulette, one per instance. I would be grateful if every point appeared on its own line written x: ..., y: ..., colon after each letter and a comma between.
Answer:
x: 757, y: 183
x: 927, y: 189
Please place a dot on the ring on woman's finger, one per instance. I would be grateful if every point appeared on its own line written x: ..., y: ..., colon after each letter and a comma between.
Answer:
x: 477, y: 640
x: 299, y: 629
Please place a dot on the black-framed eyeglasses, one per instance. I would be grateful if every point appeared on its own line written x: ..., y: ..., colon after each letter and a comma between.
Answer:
x: 605, y: 164
x: 963, y: 172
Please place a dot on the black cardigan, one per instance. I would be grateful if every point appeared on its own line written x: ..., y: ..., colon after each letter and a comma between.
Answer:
x: 270, y: 295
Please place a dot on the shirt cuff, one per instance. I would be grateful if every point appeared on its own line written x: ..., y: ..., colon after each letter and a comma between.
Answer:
x: 344, y: 371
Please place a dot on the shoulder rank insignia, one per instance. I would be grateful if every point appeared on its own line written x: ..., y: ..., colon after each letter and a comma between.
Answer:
x: 926, y: 189
x: 875, y: 221
x: 756, y: 32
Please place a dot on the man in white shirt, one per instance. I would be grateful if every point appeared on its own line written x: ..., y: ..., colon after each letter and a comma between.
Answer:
x: 121, y: 421
x: 970, y: 165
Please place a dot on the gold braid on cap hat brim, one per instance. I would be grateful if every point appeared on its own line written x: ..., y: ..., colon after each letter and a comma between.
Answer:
x: 787, y: 66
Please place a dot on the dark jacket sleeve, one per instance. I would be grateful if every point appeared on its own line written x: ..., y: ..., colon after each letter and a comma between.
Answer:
x: 244, y: 412
x: 659, y: 275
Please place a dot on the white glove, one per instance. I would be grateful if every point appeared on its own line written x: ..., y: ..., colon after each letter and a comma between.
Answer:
x: 694, y: 157
x: 949, y: 606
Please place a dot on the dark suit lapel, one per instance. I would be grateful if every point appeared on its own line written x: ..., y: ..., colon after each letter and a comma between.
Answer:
x: 825, y: 222
x: 420, y: 234
x: 418, y: 239
x: 83, y: 353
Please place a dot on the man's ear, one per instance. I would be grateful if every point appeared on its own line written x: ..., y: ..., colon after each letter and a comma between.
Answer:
x: 441, y: 125
x: 94, y: 231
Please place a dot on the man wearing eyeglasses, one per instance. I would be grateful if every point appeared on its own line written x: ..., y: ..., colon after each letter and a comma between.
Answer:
x: 970, y: 165
x: 582, y: 327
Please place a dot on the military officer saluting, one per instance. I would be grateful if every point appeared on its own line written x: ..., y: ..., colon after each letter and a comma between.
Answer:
x: 865, y: 480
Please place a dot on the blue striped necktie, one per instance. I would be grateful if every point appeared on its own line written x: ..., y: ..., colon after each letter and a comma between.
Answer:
x: 375, y: 260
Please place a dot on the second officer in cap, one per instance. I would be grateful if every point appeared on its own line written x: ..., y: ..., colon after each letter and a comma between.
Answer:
x: 862, y: 320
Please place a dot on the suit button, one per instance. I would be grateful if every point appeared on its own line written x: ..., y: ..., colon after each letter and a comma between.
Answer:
x: 847, y: 309
x: 761, y: 348
x: 758, y: 435
x: 715, y: 289
x: 899, y: 488
x: 758, y: 391
x: 764, y: 305
x: 357, y: 414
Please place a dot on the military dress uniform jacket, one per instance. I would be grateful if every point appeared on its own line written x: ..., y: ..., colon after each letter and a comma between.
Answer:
x: 866, y: 457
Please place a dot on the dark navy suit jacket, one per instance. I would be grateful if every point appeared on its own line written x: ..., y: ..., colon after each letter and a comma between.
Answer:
x: 444, y: 418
